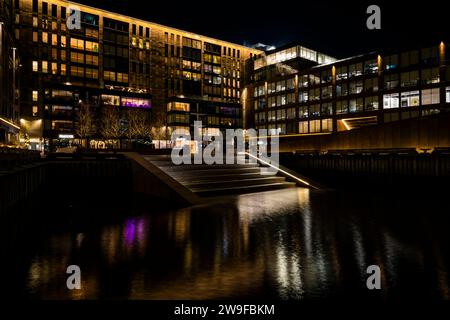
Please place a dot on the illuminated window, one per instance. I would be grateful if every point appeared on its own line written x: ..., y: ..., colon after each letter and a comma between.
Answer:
x: 178, y: 106
x: 410, y: 99
x: 35, y: 22
x: 341, y: 73
x: 91, y: 73
x: 122, y: 77
x: 430, y: 96
x: 326, y: 76
x: 110, y: 100
x: 303, y: 81
x: 314, y: 110
x: 303, y: 96
x: 63, y: 55
x: 54, y: 54
x: 390, y: 62
x: 326, y: 109
x: 91, y: 46
x: 371, y: 103
x: 355, y: 70
x: 63, y: 69
x: 290, y: 113
x: 216, y: 59
x: 54, y: 40
x: 187, y: 75
x: 314, y: 126
x: 35, y: 111
x: 327, y: 92
x: 109, y: 76
x: 77, y: 57
x: 342, y: 107
x: 447, y: 94
x: 342, y: 89
x: 54, y: 68
x: 76, y: 71
x: 356, y: 87
x: 314, y: 79
x: 91, y: 33
x: 327, y: 125
x: 314, y: 94
x: 371, y: 66
x: 44, y: 37
x: 44, y: 66
x: 61, y: 94
x: 35, y: 95
x: 76, y: 43
x: 63, y: 41
x: 281, y: 86
x: 281, y: 114
x: 35, y: 66
x: 391, y: 101
x: 356, y: 105
x: 35, y: 36
x: 430, y: 75
x: 92, y: 60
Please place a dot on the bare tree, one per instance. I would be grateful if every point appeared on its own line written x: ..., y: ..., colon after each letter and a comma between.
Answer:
x: 159, y: 130
x: 85, y: 127
x: 142, y: 125
x: 138, y: 124
x: 110, y: 124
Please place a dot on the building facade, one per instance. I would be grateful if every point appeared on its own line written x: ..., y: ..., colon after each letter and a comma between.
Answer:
x: 296, y: 91
x: 75, y: 55
x: 9, y: 77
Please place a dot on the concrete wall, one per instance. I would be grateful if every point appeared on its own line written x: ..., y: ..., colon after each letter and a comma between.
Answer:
x: 150, y: 180
x: 422, y: 133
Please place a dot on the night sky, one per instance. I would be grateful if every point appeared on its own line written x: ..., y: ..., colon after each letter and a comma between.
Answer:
x: 337, y: 28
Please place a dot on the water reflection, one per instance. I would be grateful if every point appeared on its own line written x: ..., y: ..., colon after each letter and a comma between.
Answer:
x: 288, y: 244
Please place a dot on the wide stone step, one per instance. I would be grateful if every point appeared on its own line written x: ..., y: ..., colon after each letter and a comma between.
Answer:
x: 208, y: 192
x: 234, y: 183
x: 221, y: 177
x: 189, y: 167
x: 210, y: 172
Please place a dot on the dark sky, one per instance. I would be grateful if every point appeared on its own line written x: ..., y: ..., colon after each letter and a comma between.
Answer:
x: 334, y: 27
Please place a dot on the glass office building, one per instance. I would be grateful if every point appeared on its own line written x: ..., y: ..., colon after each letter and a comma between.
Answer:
x: 296, y: 91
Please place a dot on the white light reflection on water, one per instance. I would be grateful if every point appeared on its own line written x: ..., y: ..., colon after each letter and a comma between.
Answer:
x: 285, y: 262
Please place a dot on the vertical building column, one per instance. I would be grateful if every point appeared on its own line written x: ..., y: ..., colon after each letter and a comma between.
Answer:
x: 333, y: 92
x: 266, y: 97
x: 2, y: 65
x: 297, y: 103
x: 380, y: 89
x: 442, y: 71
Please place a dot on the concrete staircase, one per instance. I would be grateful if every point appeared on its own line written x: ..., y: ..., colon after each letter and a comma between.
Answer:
x: 216, y: 180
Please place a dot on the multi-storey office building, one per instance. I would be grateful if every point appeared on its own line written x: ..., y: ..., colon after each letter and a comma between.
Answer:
x: 329, y: 96
x: 9, y: 79
x: 214, y: 115
x: 113, y: 61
